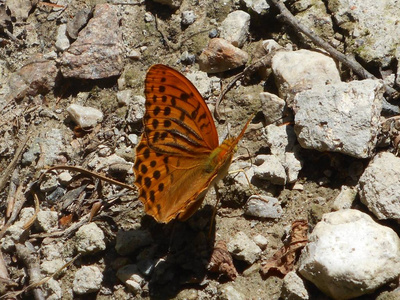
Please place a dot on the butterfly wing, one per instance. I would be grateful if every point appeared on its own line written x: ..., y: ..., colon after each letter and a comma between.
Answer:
x: 179, y: 136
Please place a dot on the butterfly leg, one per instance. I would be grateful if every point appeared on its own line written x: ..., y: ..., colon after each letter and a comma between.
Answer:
x: 214, y: 212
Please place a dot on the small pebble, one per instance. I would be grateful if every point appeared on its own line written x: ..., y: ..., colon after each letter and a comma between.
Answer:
x: 90, y: 239
x: 87, y: 280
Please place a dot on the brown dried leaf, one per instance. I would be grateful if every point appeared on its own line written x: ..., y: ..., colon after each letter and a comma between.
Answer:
x: 221, y: 261
x: 284, y: 259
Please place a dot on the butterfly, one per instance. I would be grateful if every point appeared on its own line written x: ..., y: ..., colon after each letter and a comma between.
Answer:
x: 178, y: 157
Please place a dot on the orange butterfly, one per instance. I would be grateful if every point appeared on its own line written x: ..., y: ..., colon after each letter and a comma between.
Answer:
x: 179, y: 156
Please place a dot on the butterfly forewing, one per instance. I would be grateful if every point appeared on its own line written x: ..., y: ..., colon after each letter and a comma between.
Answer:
x: 177, y: 120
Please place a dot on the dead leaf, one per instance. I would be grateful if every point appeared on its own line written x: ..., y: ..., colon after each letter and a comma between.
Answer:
x: 284, y: 259
x: 221, y: 261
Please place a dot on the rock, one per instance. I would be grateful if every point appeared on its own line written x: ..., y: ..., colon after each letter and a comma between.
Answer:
x: 260, y: 7
x: 124, y: 97
x: 379, y: 186
x: 87, y: 280
x: 52, y: 290
x: 136, y: 109
x: 228, y: 291
x: 75, y: 24
x: 221, y: 56
x: 16, y: 233
x: 98, y: 51
x: 293, y: 287
x: 293, y: 165
x: 188, y: 17
x: 345, y: 198
x: 64, y: 178
x: 20, y: 9
x: 49, y: 267
x: 37, y: 76
x: 243, y: 248
x: 343, y: 117
x: 62, y: 41
x: 171, y: 3
x: 261, y: 206
x: 273, y: 108
x: 261, y: 241
x: 204, y: 84
x: 268, y: 167
x: 47, y: 220
x: 296, y: 71
x: 130, y: 241
x: 349, y: 255
x: 371, y: 27
x: 187, y: 58
x: 85, y: 116
x: 131, y: 277
x: 235, y: 28
x: 90, y: 239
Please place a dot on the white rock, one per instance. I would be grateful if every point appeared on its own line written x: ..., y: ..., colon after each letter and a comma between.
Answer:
x: 293, y: 287
x: 345, y: 198
x: 260, y: 7
x: 104, y: 163
x: 343, y: 117
x: 245, y: 172
x: 84, y: 116
x: 204, y: 84
x: 129, y: 241
x: 261, y: 241
x: 16, y: 233
x: 52, y: 290
x: 243, y: 248
x: 62, y: 41
x: 188, y: 17
x: 47, y: 220
x: 124, y: 97
x: 64, y: 177
x: 228, y: 291
x: 372, y: 28
x: 293, y: 165
x: 131, y: 277
x: 261, y: 206
x: 235, y: 28
x: 301, y: 70
x: 349, y: 255
x: 87, y: 280
x: 272, y: 107
x: 270, y: 168
x: 379, y: 186
x: 136, y: 109
x: 49, y: 267
x: 90, y: 239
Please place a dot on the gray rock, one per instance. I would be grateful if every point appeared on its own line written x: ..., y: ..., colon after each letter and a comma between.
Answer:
x: 130, y: 241
x: 260, y: 7
x: 228, y: 291
x: 52, y: 290
x: 62, y: 41
x: 131, y: 277
x: 379, y: 186
x: 221, y: 56
x: 261, y: 241
x: 296, y: 71
x: 47, y: 220
x: 136, y: 109
x: 188, y: 17
x: 372, y: 28
x: 293, y: 287
x: 87, y: 280
x: 342, y: 117
x: 97, y: 52
x: 85, y: 116
x: 90, y: 239
x: 345, y: 198
x: 261, y: 206
x: 204, y: 84
x: 235, y: 28
x: 78, y: 22
x: 20, y: 9
x: 269, y: 167
x: 124, y: 97
x: 272, y: 108
x: 243, y: 248
x: 349, y: 255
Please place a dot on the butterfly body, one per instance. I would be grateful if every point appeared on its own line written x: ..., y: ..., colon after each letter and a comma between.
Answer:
x: 178, y: 157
